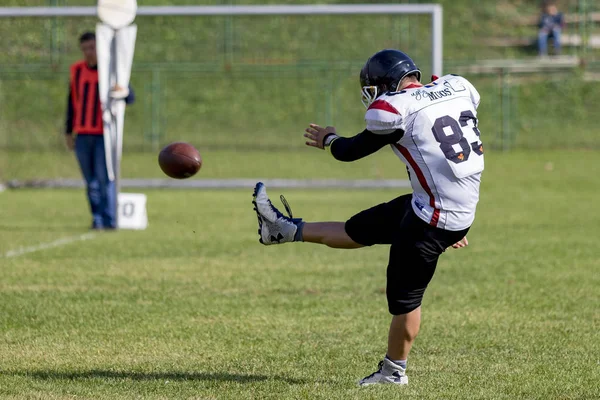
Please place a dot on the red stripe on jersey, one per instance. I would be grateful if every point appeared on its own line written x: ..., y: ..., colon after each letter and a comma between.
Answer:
x: 383, y: 105
x: 421, y: 177
x: 435, y: 217
x: 413, y: 86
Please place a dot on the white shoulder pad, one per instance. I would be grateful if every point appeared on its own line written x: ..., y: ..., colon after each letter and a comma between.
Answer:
x: 383, y: 118
x: 475, y: 97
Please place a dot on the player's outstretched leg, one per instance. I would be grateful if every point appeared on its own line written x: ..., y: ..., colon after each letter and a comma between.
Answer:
x: 273, y: 226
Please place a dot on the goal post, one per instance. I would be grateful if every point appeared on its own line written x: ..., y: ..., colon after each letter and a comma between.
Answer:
x: 435, y: 10
x: 214, y: 76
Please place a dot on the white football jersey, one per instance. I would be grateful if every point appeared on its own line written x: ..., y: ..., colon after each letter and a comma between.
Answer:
x: 441, y: 146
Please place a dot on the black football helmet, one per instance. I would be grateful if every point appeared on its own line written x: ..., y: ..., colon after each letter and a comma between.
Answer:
x: 383, y: 72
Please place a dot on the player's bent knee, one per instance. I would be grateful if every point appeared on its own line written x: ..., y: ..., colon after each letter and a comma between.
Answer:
x: 358, y: 235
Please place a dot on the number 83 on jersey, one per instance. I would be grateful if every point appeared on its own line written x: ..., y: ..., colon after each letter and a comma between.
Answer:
x: 460, y: 142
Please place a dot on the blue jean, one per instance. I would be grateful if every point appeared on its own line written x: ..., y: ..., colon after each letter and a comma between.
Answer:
x: 543, y: 37
x: 100, y: 191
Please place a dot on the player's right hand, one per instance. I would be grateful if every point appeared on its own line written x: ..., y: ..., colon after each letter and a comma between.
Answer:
x: 316, y: 135
x: 70, y: 142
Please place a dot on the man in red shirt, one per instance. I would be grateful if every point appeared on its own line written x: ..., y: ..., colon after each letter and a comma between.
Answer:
x: 84, y: 117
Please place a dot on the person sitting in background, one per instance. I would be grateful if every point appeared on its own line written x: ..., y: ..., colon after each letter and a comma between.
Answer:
x: 551, y: 25
x: 84, y: 117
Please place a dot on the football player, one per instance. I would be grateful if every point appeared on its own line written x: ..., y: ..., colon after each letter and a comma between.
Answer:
x: 433, y: 130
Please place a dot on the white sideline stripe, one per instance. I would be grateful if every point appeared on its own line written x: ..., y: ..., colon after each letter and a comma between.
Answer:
x: 49, y: 245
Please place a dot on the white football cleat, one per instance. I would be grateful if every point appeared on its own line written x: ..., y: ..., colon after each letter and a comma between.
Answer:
x: 388, y: 373
x: 273, y: 226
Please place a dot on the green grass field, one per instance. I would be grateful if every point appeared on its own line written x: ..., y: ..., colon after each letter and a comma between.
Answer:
x: 194, y: 307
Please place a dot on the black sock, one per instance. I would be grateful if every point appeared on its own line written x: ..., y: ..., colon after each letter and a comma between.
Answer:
x: 298, y: 236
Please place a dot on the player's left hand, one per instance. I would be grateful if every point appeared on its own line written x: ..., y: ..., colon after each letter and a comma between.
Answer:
x: 316, y: 134
x: 119, y: 93
x: 461, y: 243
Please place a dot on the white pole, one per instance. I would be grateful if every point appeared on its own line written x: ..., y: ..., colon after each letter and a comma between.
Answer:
x: 116, y: 160
x: 306, y: 9
x: 437, y: 41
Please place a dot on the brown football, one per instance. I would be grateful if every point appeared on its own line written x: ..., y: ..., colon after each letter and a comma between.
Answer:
x: 179, y: 160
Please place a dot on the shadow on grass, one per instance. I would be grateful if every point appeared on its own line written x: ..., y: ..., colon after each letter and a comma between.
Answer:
x: 150, y: 376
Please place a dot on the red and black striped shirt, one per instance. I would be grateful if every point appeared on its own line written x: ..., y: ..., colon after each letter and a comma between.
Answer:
x: 84, y: 115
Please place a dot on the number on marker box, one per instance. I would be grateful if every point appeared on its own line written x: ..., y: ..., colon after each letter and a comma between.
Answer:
x: 132, y: 211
